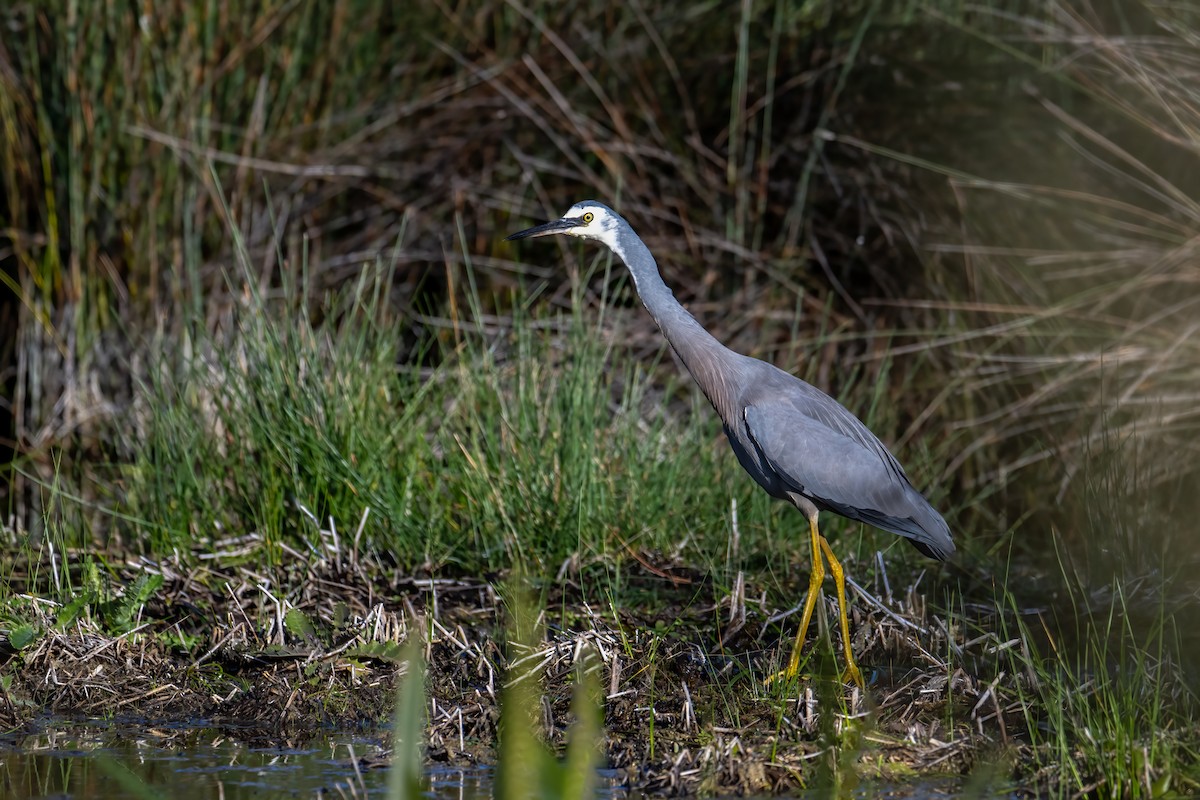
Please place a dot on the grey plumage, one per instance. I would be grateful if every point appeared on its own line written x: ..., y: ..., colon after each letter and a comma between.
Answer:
x: 797, y: 442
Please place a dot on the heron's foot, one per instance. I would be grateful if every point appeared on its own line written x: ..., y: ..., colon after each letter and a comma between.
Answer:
x: 852, y: 674
x: 783, y: 676
x: 792, y: 671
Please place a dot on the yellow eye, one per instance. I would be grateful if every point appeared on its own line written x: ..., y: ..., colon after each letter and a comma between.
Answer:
x: 588, y: 217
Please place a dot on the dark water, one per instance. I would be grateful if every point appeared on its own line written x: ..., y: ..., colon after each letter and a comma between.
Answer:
x: 126, y: 760
x: 142, y: 761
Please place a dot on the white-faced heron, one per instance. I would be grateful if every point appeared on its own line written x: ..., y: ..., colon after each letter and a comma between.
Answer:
x: 799, y: 443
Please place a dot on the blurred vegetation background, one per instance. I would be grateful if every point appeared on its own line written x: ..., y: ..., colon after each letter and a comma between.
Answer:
x: 976, y: 223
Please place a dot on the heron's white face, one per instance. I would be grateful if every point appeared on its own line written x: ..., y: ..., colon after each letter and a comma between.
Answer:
x: 586, y: 220
x: 592, y: 222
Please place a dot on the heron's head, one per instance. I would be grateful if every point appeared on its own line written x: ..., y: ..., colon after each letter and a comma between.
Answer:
x: 587, y: 220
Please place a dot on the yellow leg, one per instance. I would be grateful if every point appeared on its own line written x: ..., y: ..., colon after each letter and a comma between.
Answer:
x: 814, y: 588
x: 821, y: 546
x: 839, y: 578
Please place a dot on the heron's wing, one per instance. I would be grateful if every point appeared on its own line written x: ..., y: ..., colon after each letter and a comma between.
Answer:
x: 823, y: 452
x: 806, y: 400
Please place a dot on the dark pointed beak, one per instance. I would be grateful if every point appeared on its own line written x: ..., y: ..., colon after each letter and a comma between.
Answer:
x: 549, y: 229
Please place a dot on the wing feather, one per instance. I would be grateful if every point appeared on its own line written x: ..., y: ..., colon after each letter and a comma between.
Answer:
x: 825, y: 453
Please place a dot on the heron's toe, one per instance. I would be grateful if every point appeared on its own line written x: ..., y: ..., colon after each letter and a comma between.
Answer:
x: 852, y: 673
x: 783, y: 676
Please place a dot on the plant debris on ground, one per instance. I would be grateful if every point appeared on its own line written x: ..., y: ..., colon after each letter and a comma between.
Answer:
x: 272, y: 652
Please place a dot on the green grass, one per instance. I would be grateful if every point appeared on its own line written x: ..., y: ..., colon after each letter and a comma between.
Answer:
x: 522, y: 447
x: 529, y: 443
x: 1107, y: 703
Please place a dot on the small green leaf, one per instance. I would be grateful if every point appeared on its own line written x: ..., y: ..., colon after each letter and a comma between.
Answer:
x: 298, y: 624
x: 120, y: 612
x: 341, y: 614
x: 74, y: 609
x: 22, y: 636
x: 144, y: 588
x: 387, y: 652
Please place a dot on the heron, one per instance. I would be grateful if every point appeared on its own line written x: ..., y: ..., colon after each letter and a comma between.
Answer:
x: 795, y: 441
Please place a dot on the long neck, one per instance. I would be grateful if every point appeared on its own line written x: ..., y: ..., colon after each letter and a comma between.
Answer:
x: 709, y: 361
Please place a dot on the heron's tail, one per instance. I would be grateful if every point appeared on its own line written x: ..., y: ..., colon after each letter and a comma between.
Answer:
x: 925, y: 527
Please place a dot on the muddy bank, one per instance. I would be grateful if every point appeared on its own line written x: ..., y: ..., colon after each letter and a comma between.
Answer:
x: 279, y: 654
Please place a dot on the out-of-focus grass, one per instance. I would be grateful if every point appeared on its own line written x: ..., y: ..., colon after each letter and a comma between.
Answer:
x: 1080, y: 360
x: 406, y: 774
x: 1106, y: 699
x: 1078, y: 305
x: 526, y: 767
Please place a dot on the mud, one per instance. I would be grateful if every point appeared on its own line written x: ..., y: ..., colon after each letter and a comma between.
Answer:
x: 277, y: 655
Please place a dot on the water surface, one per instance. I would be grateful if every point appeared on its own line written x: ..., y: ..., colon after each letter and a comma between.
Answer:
x: 137, y: 760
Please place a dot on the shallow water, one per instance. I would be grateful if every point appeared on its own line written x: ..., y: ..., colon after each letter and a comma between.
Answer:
x: 136, y: 760
x: 130, y: 760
